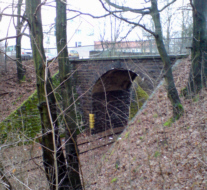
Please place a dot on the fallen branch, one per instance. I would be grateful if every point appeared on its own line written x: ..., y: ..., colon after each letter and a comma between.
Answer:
x: 2, y: 94
x: 9, y: 78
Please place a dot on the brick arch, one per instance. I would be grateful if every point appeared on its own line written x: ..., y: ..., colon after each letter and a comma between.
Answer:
x: 87, y: 73
x: 120, y: 65
x: 111, y: 99
x: 114, y: 79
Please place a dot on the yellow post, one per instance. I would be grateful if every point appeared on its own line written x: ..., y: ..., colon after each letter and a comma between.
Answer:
x: 91, y: 120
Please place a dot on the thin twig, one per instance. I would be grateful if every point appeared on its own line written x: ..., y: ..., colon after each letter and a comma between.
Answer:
x: 53, y: 130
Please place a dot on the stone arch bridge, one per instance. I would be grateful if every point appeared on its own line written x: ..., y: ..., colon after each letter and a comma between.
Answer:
x: 104, y: 86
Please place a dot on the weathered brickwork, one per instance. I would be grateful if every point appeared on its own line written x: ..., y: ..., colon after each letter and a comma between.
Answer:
x: 105, y: 83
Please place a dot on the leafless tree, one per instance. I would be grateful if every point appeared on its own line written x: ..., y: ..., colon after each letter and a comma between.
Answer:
x: 198, y: 73
x: 154, y: 12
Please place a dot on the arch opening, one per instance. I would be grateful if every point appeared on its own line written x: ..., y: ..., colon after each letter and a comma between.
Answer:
x: 111, y: 99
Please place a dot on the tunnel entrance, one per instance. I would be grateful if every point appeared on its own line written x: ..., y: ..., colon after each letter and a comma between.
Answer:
x: 111, y: 99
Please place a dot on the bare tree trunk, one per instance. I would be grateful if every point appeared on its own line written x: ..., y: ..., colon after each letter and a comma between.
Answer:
x: 167, y: 44
x: 198, y: 72
x: 5, y: 46
x: 154, y: 12
x: 5, y: 57
x: 20, y: 69
x: 171, y: 89
x: 65, y: 67
x: 182, y: 32
x: 33, y: 10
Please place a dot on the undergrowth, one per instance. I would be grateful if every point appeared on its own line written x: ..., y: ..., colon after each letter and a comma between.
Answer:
x: 24, y: 123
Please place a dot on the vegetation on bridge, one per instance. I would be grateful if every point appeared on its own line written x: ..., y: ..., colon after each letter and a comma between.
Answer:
x: 138, y: 99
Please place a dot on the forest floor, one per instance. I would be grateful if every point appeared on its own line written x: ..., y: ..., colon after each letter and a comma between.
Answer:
x: 12, y: 92
x: 151, y: 153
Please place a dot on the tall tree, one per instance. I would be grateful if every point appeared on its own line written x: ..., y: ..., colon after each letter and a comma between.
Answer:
x: 54, y: 161
x: 66, y: 67
x: 19, y: 24
x: 171, y: 89
x: 158, y: 35
x: 198, y: 72
x: 20, y: 69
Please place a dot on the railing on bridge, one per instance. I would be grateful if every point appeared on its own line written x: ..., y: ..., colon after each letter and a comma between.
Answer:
x: 174, y: 46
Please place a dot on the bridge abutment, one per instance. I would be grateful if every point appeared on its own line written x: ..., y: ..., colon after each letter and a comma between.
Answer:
x: 103, y: 87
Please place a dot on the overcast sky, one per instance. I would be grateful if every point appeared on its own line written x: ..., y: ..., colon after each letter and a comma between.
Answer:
x: 87, y: 6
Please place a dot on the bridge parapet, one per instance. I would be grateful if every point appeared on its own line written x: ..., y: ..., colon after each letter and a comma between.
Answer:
x: 104, y: 86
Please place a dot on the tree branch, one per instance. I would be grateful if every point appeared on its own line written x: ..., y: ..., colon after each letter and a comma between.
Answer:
x: 38, y: 7
x: 10, y: 37
x: 173, y: 1
x: 136, y: 24
x: 132, y: 28
x: 123, y: 8
x: 88, y: 14
x: 4, y: 178
x: 7, y: 55
x: 3, y: 11
x: 13, y: 15
x: 126, y: 20
x: 193, y: 7
x: 23, y: 20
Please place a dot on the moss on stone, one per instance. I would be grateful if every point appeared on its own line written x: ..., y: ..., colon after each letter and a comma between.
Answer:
x: 140, y: 97
x: 24, y: 122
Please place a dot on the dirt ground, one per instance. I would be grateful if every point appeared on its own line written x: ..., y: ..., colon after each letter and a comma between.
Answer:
x: 151, y: 153
x: 13, y: 93
x: 23, y: 164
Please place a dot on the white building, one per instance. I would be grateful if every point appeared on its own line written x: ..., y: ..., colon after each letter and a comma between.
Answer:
x: 80, y: 37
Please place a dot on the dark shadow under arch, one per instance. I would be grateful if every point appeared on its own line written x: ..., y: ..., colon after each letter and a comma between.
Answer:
x: 111, y: 99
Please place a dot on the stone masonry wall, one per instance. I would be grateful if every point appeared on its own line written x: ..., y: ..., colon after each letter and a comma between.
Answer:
x: 87, y: 73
